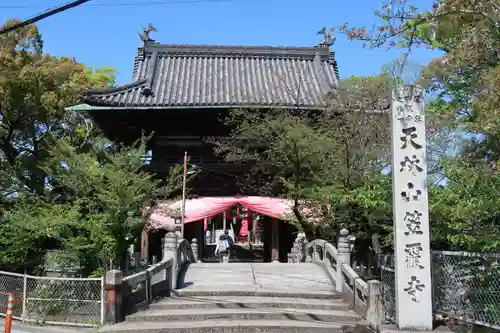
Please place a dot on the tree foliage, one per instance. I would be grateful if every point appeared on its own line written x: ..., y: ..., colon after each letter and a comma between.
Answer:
x: 34, y: 89
x: 464, y: 81
x: 63, y: 187
x: 320, y: 159
x: 95, y: 211
x: 336, y: 159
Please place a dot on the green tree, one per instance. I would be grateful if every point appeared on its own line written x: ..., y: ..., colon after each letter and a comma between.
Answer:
x: 464, y: 212
x: 465, y: 79
x: 319, y: 159
x: 464, y: 82
x: 63, y: 187
x: 96, y: 208
x: 34, y: 90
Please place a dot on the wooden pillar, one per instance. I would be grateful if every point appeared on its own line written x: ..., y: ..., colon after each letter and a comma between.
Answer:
x: 249, y: 221
x: 275, y: 243
x: 114, y: 291
x: 255, y: 220
x: 224, y: 221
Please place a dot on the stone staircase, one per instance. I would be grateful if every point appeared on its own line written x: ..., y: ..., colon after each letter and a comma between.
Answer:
x: 316, y: 291
x: 244, y: 297
x: 218, y: 311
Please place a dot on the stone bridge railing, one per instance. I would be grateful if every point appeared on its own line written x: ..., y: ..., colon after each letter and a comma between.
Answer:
x: 365, y: 297
x: 125, y: 295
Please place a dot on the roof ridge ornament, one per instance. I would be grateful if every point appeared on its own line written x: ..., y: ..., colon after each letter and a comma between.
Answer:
x: 328, y: 40
x: 144, y: 35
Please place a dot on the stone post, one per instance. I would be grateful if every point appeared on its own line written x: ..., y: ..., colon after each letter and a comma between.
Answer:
x: 306, y: 256
x: 194, y: 247
x: 275, y: 241
x: 295, y: 255
x: 374, y: 306
x: 137, y: 260
x: 170, y: 253
x: 114, y: 296
x: 343, y: 257
x: 411, y: 210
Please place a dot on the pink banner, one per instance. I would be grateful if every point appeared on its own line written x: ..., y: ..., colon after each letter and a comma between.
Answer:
x: 207, y: 207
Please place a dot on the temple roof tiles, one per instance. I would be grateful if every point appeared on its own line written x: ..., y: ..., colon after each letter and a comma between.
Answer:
x: 179, y: 76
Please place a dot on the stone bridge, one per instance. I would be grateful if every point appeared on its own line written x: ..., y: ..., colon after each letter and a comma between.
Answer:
x: 180, y: 294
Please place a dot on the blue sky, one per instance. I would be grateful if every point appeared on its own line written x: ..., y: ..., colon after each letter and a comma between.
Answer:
x: 104, y: 32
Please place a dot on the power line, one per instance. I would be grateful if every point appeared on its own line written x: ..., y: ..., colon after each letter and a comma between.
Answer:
x: 132, y: 3
x: 46, y: 14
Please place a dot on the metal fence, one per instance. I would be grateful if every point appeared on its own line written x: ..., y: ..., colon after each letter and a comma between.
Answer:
x: 52, y: 300
x: 386, y: 265
x: 466, y: 286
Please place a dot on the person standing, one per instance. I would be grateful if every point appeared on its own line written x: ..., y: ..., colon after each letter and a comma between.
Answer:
x: 224, y: 246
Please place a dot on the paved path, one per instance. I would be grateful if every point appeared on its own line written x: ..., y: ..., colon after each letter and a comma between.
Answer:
x: 17, y: 327
x: 258, y: 277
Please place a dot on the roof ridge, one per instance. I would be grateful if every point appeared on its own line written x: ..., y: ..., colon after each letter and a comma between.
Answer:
x: 228, y: 50
x: 231, y: 46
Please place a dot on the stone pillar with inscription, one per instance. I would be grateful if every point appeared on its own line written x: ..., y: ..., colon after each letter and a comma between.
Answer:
x: 411, y: 210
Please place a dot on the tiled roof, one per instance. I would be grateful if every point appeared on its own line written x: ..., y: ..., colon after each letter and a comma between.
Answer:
x: 174, y: 76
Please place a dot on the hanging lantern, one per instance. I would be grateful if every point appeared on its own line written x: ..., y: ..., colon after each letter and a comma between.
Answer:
x: 244, y: 227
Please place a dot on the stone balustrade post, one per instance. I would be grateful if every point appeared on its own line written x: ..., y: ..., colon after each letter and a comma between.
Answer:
x: 137, y: 260
x: 314, y: 252
x: 114, y: 296
x: 307, y: 257
x: 170, y: 253
x: 297, y: 251
x: 194, y: 247
x: 343, y: 257
x: 374, y: 306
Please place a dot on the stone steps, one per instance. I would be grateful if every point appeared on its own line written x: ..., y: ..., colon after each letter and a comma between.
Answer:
x: 226, y: 326
x: 264, y: 311
x: 243, y: 314
x: 248, y: 302
x: 259, y: 293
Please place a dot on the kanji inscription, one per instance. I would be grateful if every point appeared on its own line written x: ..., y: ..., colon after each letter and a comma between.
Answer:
x: 410, y: 193
x: 413, y: 255
x: 414, y: 289
x: 413, y: 118
x: 411, y: 211
x: 411, y: 164
x: 408, y: 138
x: 413, y: 223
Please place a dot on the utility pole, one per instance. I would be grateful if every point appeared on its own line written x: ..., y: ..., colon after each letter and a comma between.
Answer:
x: 45, y: 14
x: 183, y: 208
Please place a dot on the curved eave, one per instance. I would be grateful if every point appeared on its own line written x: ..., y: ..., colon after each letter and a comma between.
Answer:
x: 91, y: 93
x: 86, y: 107
x: 89, y: 108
